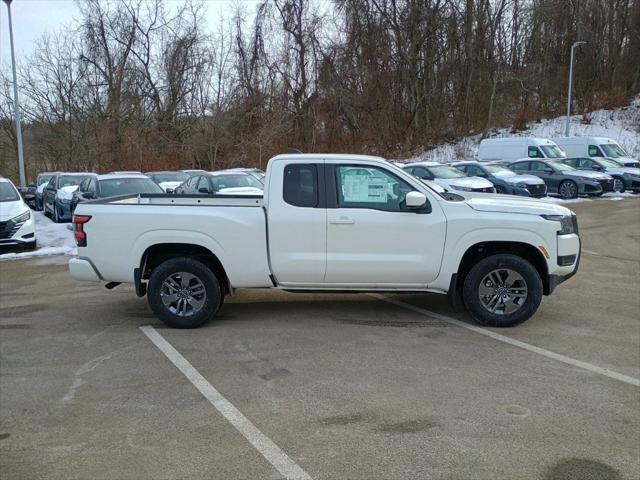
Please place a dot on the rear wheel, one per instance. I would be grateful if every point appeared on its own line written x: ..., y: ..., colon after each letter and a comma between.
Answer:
x: 568, y: 189
x: 184, y: 292
x: 56, y: 214
x: 502, y: 290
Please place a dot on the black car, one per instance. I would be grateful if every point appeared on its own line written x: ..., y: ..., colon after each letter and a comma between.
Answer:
x: 505, y: 180
x: 563, y: 179
x: 111, y: 185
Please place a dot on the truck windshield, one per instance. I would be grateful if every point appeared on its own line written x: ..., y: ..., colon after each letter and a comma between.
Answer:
x: 552, y: 151
x: 613, y: 150
x: 8, y: 193
x: 444, y: 171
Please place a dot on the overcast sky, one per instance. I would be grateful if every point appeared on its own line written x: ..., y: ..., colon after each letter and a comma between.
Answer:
x: 33, y: 18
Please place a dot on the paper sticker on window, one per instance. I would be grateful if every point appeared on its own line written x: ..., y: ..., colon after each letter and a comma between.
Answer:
x: 364, y: 188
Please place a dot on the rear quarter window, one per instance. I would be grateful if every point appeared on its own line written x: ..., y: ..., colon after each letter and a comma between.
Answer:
x: 300, y: 185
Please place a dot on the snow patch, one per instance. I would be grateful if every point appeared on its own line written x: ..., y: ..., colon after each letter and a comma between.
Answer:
x: 52, y: 239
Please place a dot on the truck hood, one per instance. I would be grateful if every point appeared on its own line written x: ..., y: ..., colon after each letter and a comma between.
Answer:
x: 511, y: 204
x: 596, y: 176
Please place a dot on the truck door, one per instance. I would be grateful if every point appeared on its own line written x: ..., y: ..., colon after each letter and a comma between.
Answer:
x: 297, y: 223
x: 373, y: 240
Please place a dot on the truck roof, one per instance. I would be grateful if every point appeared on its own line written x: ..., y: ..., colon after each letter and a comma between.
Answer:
x: 507, y: 140
x: 328, y: 156
x: 585, y: 139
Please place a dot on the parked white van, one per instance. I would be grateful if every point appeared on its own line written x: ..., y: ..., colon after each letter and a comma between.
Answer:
x: 515, y: 148
x: 596, y: 147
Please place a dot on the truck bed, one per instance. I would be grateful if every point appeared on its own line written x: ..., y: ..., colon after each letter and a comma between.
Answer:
x: 123, y: 228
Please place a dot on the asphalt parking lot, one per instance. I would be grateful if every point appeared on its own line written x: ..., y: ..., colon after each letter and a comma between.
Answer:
x: 326, y: 386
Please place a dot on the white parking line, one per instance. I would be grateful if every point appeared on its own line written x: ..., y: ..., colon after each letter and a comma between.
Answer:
x: 269, y: 450
x: 516, y: 343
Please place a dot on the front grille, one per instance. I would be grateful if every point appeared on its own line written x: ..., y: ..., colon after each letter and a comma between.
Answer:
x: 607, y: 185
x: 9, y: 229
x: 537, y: 190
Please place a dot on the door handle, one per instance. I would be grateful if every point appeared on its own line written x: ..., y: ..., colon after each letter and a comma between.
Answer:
x: 342, y: 221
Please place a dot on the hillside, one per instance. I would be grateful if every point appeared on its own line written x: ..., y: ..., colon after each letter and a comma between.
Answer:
x: 621, y: 124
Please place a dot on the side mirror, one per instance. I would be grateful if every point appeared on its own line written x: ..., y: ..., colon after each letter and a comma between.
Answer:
x: 89, y: 195
x: 178, y: 191
x: 203, y: 190
x: 415, y: 200
x: 169, y: 190
x: 596, y: 167
x: 548, y: 170
x: 427, y: 177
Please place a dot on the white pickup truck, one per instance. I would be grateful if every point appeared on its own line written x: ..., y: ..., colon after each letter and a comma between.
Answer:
x: 329, y: 223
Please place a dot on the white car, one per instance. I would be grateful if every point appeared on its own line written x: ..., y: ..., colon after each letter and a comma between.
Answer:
x: 322, y: 225
x: 449, y: 177
x: 221, y: 183
x: 17, y: 225
x: 168, y: 181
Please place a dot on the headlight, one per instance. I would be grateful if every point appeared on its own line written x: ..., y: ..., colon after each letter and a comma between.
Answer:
x: 462, y: 189
x: 22, y: 218
x: 568, y: 223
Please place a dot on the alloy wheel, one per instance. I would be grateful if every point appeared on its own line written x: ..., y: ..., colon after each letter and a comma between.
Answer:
x: 183, y: 294
x: 502, y: 291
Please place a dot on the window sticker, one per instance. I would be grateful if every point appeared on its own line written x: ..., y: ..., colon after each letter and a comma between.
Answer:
x: 364, y: 188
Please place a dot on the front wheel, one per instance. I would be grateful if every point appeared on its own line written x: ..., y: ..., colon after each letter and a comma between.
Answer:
x: 502, y: 290
x: 568, y: 189
x: 183, y: 292
x: 56, y: 214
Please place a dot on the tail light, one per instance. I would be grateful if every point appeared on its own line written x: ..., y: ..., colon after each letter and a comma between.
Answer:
x: 78, y: 229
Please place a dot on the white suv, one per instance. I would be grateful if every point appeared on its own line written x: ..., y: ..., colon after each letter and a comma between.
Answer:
x: 17, y: 225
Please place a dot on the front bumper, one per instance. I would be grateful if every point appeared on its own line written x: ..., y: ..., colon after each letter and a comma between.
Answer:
x: 631, y: 183
x: 18, y: 234
x: 533, y: 191
x: 590, y: 188
x: 558, y: 277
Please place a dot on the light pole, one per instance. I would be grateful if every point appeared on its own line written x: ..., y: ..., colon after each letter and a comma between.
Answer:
x: 16, y: 103
x: 568, y: 123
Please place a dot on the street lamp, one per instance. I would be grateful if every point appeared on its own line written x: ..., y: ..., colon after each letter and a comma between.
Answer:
x: 16, y: 103
x: 567, y: 124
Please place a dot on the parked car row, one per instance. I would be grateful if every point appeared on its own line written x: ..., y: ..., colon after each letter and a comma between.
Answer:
x: 529, y: 177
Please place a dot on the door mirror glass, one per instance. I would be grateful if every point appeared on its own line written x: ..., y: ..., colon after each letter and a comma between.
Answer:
x: 415, y: 199
x: 203, y: 190
x: 596, y: 167
x: 169, y: 190
x: 548, y: 170
x: 89, y: 195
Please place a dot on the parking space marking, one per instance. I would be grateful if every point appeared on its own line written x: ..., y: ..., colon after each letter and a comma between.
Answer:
x: 516, y: 343
x: 263, y: 444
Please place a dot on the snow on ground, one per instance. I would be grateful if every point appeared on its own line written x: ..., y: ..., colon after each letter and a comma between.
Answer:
x: 52, y: 239
x: 621, y: 124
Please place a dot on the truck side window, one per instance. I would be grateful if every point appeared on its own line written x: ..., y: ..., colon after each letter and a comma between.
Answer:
x: 534, y: 152
x: 372, y: 188
x: 594, y: 151
x: 300, y: 186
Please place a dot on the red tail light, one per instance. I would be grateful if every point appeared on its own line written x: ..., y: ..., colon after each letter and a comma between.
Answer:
x: 78, y: 229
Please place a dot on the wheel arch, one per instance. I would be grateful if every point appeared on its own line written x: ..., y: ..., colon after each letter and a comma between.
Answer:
x: 481, y: 250
x: 157, y: 253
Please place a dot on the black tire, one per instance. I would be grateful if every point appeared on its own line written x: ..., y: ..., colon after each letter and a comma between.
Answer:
x: 499, y: 189
x: 622, y: 188
x: 56, y: 216
x: 212, y: 292
x: 482, y: 269
x: 569, y: 191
